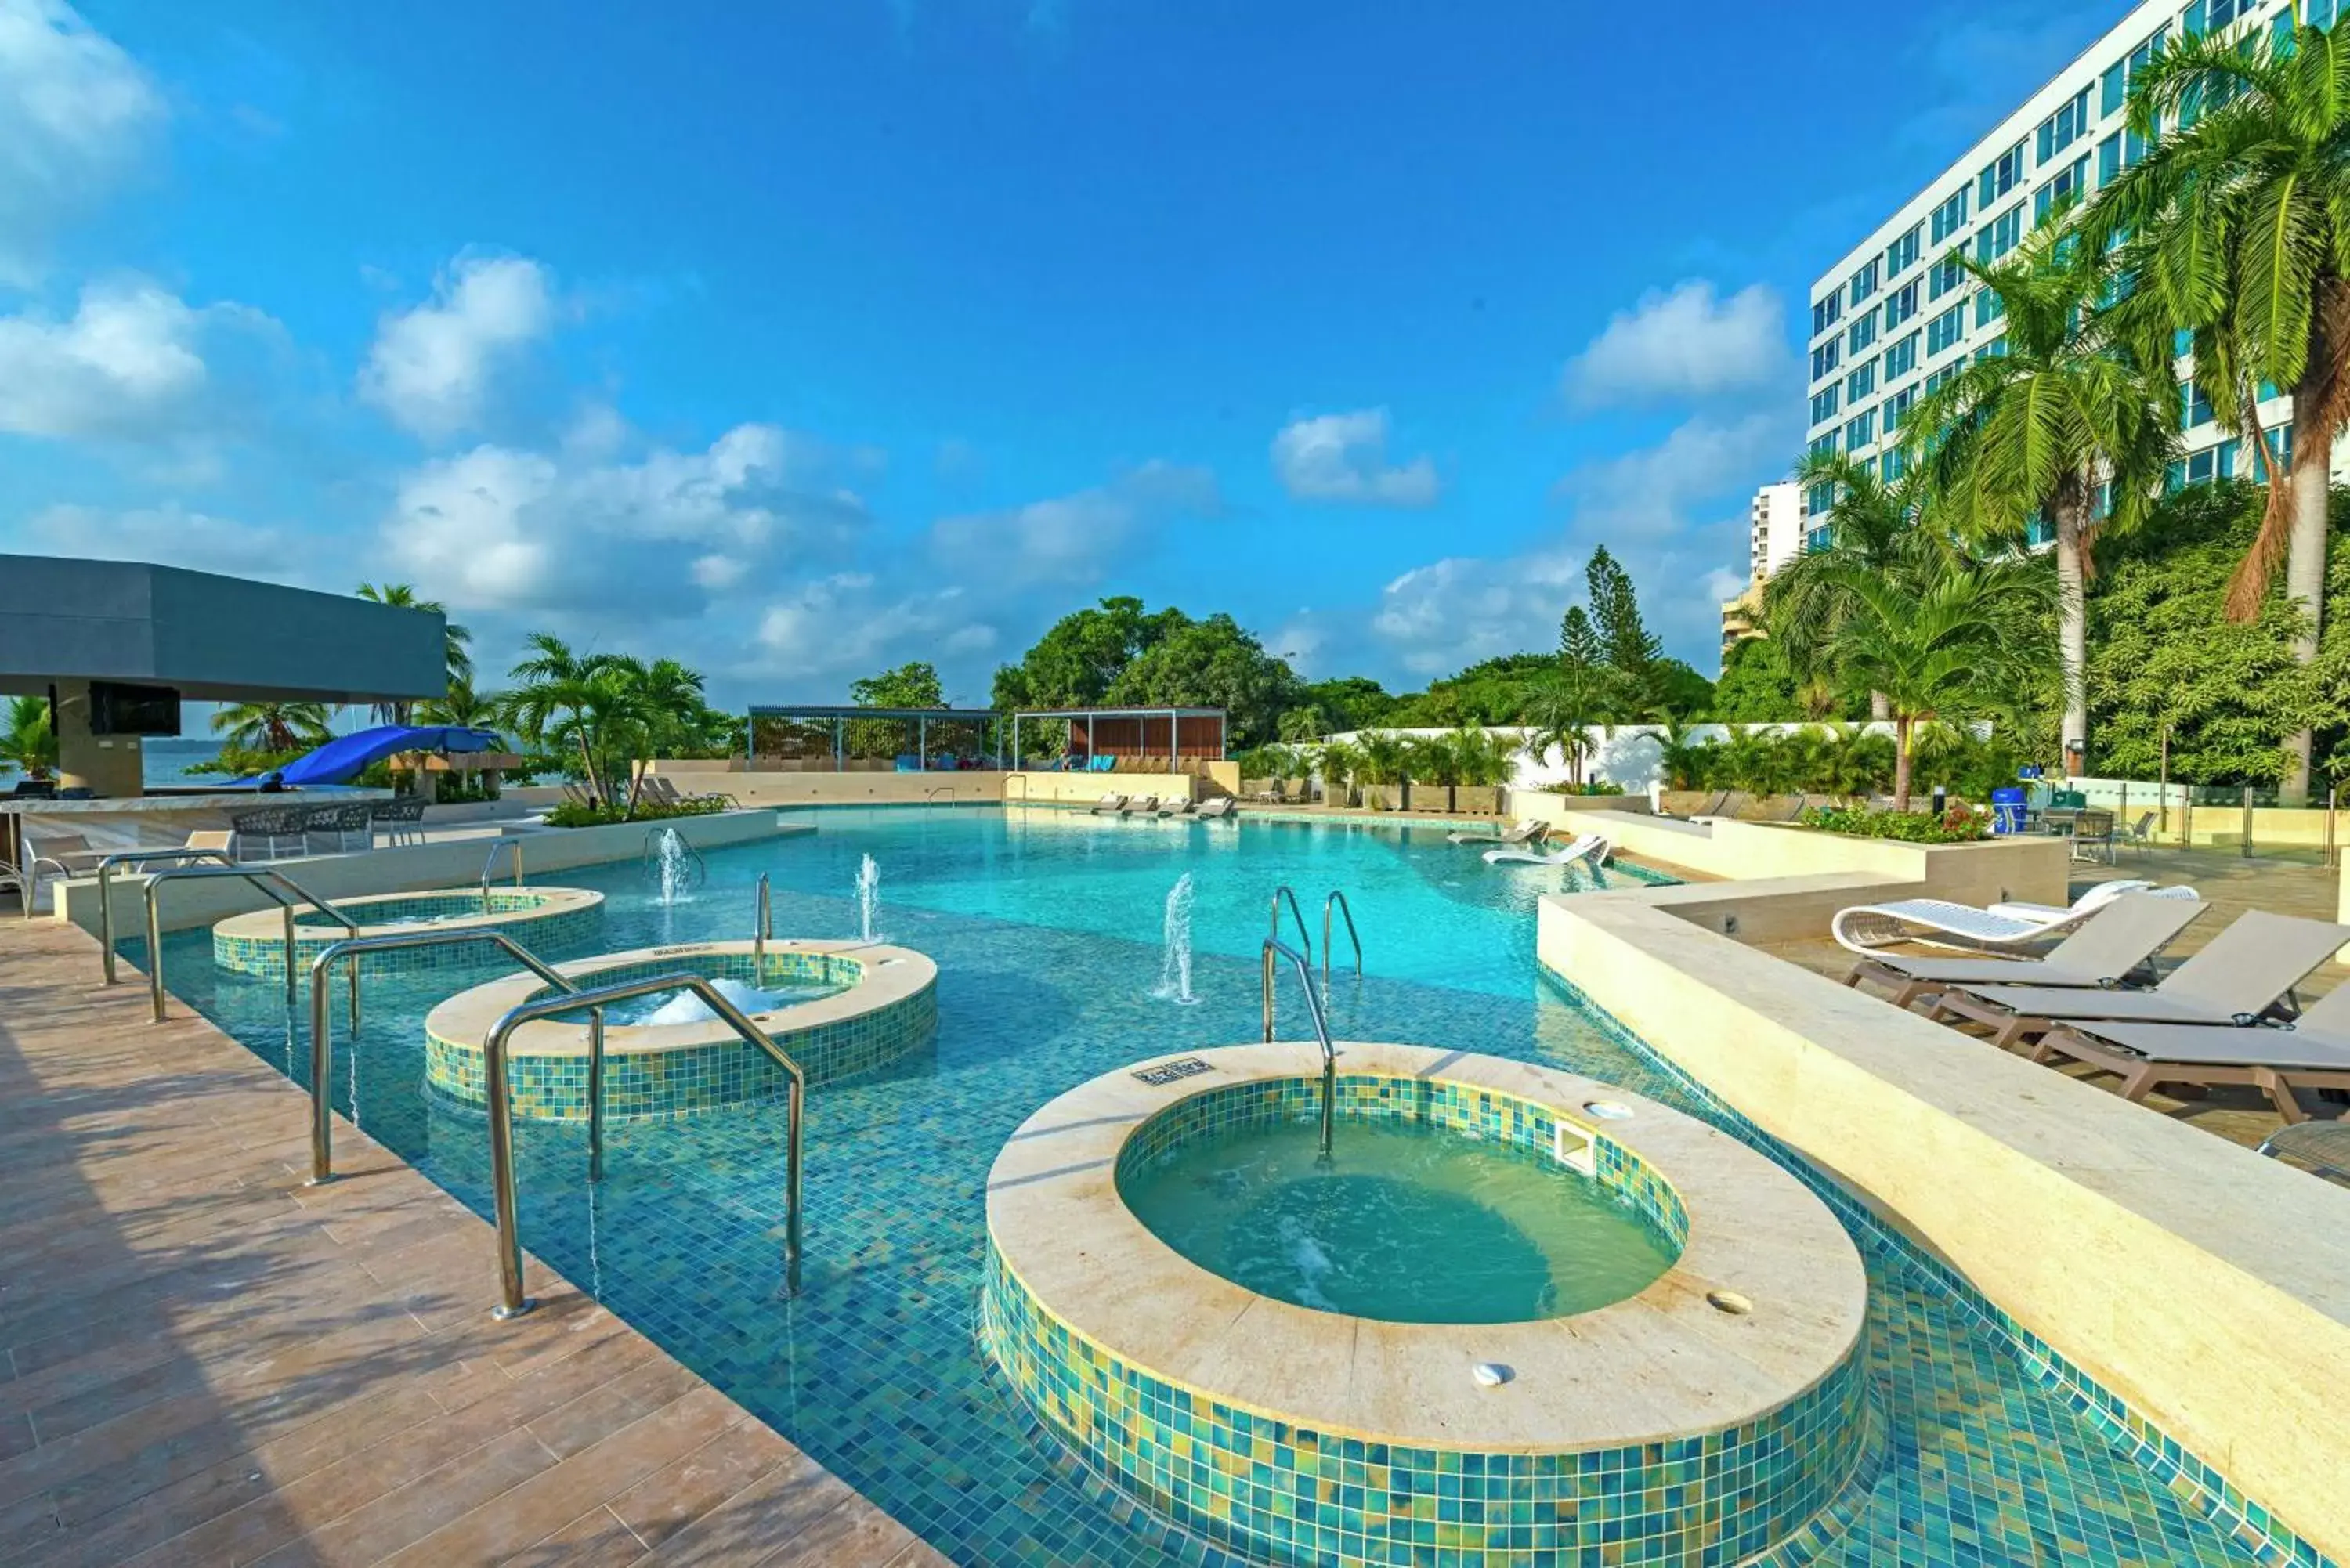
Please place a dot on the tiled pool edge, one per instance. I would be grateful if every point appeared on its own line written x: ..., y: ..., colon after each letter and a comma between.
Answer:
x: 2184, y: 1475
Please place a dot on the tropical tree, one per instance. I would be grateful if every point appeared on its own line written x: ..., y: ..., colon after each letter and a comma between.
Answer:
x: 461, y: 704
x: 1581, y: 696
x: 26, y: 742
x: 556, y: 688
x: 456, y: 657
x: 1341, y: 766
x: 275, y: 727
x: 2029, y: 436
x: 1871, y: 527
x: 2238, y: 224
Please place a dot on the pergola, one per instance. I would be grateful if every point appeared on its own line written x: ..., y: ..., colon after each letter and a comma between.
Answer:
x: 1190, y: 731
x: 840, y: 718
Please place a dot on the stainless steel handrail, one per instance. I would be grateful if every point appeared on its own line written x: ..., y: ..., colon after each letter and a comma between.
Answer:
x: 490, y: 865
x: 763, y: 930
x: 1305, y: 937
x: 106, y: 887
x: 269, y: 882
x: 1274, y: 946
x: 322, y: 1063
x: 511, y: 1302
x: 1346, y: 910
x: 935, y: 790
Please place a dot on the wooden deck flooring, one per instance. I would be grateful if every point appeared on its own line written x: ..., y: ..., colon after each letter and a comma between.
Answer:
x: 202, y: 1361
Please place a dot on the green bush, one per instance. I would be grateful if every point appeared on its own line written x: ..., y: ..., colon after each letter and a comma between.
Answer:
x: 1959, y: 824
x: 570, y: 813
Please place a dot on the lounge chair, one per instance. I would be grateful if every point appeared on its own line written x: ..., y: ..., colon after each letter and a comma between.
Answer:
x: 1710, y: 808
x: 2247, y: 970
x: 2322, y: 1147
x: 1110, y: 805
x: 1524, y: 833
x: 1146, y: 806
x: 1223, y: 805
x: 1591, y: 847
x: 1864, y: 927
x: 2311, y: 1052
x: 1178, y: 808
x: 2113, y: 943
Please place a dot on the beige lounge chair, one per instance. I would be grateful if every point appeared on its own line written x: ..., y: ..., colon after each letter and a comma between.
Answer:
x: 2117, y: 941
x: 1109, y: 806
x: 1146, y: 806
x: 2247, y: 970
x: 1223, y: 805
x: 2311, y: 1052
x: 1178, y: 808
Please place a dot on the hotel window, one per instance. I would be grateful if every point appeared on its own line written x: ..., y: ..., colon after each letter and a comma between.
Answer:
x: 2115, y: 88
x: 1944, y: 275
x: 1901, y: 304
x: 2135, y: 147
x: 1901, y: 357
x: 2000, y: 235
x: 1823, y: 445
x: 1994, y: 349
x: 2317, y: 13
x: 1990, y: 306
x: 1819, y: 500
x: 2218, y: 462
x: 2195, y: 409
x: 1824, y: 404
x: 2067, y: 185
x: 1999, y: 176
x: 2280, y: 445
x: 1860, y: 383
x: 1902, y: 252
x: 1946, y: 329
x: 1894, y: 462
x: 2195, y: 24
x: 2109, y: 159
x: 1896, y: 406
x: 1950, y: 216
x: 1863, y: 333
x: 1939, y: 380
x: 1826, y: 358
x: 2064, y: 127
x: 1863, y: 282
x: 1860, y: 430
x: 1825, y: 312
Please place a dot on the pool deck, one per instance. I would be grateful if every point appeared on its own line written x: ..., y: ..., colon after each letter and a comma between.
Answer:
x: 202, y: 1360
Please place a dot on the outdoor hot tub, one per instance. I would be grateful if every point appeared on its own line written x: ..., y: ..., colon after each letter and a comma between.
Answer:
x: 1512, y: 1312
x: 540, y: 918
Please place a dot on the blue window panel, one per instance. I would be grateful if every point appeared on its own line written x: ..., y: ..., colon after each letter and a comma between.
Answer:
x: 2318, y: 13
x: 1990, y: 306
x: 1939, y: 380
x: 1826, y: 358
x: 1826, y: 312
x: 1999, y: 176
x: 1897, y: 408
x: 1944, y: 275
x: 2114, y: 89
x: 1901, y: 304
x: 1863, y: 333
x: 1863, y: 282
x: 1824, y: 404
x: 2195, y: 409
x: 1946, y: 329
x: 1901, y: 357
x: 1860, y: 430
x: 1902, y: 252
x: 1818, y: 501
x: 1860, y: 383
x: 2109, y: 159
x: 1819, y: 538
x: 2194, y: 24
x: 2182, y: 342
x: 2069, y: 184
x: 1950, y: 216
x: 1999, y: 237
x: 1823, y: 445
x: 2039, y: 532
x: 2219, y: 12
x: 2064, y: 127
x: 1892, y: 465
x: 1994, y: 349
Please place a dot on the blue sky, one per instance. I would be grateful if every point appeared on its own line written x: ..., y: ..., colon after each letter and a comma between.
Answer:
x: 801, y: 339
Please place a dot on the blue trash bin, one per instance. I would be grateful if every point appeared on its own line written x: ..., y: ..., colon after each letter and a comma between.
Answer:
x: 2007, y: 809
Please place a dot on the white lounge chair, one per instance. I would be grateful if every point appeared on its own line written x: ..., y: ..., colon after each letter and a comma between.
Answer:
x: 1109, y: 806
x: 1524, y: 833
x: 1223, y: 805
x: 2110, y: 945
x: 1939, y: 923
x: 1590, y: 847
x: 1146, y: 806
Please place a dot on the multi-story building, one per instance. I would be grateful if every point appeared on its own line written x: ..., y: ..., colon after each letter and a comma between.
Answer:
x: 1895, y: 316
x: 1776, y: 527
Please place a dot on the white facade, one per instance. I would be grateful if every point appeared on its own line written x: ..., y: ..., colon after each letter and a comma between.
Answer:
x: 1775, y: 521
x: 1890, y: 320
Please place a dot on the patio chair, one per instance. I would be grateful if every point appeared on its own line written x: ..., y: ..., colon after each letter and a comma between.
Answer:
x: 1109, y: 806
x: 2141, y: 831
x: 2311, y: 1052
x: 1939, y: 923
x: 70, y: 853
x: 1145, y: 807
x: 401, y: 821
x: 2092, y: 837
x: 1178, y: 808
x: 1590, y: 847
x: 1524, y: 833
x: 265, y: 834
x: 25, y: 880
x: 2119, y: 940
x: 340, y: 824
x: 1223, y: 805
x: 2247, y: 970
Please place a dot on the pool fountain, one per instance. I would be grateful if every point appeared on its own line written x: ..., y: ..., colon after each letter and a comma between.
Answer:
x: 676, y: 870
x: 868, y: 896
x: 1492, y: 1321
x: 1175, y: 966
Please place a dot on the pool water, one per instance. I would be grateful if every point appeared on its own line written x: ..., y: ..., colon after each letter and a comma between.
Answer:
x: 684, y: 1007
x: 1046, y: 930
x: 1405, y: 1223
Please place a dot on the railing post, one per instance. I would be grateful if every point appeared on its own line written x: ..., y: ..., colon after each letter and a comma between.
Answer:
x: 322, y: 1070
x: 154, y: 950
x: 595, y: 1094
x: 2248, y: 821
x: 511, y: 1302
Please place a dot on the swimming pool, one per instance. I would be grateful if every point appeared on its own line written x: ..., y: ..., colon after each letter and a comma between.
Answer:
x: 1045, y: 927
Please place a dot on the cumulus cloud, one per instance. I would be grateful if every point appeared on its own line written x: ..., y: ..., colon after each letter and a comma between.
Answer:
x: 167, y: 536
x: 1652, y: 489
x: 129, y: 364
x: 1343, y: 458
x: 1683, y: 344
x: 433, y: 368
x: 847, y: 624
x: 1073, y: 538
x: 510, y: 529
x: 76, y: 115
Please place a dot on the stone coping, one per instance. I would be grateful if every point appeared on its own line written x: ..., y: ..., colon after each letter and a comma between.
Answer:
x: 888, y: 975
x: 1663, y: 1363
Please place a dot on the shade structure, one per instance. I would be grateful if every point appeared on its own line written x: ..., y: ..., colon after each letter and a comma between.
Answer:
x: 341, y: 760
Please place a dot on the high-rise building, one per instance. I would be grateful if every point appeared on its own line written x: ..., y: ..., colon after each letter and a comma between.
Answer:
x: 1775, y: 529
x: 1895, y: 316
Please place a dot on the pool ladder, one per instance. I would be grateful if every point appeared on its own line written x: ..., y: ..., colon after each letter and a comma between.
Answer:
x: 1336, y: 903
x: 490, y: 865
x: 568, y: 998
x: 287, y: 893
x: 1275, y: 949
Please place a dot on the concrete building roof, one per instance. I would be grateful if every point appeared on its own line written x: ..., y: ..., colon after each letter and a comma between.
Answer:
x: 216, y: 638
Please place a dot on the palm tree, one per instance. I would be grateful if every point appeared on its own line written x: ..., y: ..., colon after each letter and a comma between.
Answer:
x: 2239, y: 227
x: 2028, y: 436
x: 273, y: 726
x: 456, y: 657
x: 461, y: 704
x: 1341, y: 766
x: 1871, y: 525
x: 553, y: 688
x: 26, y: 742
x: 1943, y: 639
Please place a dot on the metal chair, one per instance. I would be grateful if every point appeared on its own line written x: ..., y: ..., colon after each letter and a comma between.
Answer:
x: 265, y: 834
x: 402, y: 821
x: 340, y: 824
x: 2141, y: 832
x: 2092, y: 837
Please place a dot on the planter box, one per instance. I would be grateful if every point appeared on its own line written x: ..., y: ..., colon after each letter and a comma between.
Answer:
x: 1478, y: 800
x: 1430, y: 797
x: 1382, y: 797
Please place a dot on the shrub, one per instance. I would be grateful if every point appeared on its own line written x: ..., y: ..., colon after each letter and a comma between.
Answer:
x: 570, y: 813
x: 1959, y: 824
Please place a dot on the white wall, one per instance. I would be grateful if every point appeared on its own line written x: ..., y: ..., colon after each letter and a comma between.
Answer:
x: 1622, y: 755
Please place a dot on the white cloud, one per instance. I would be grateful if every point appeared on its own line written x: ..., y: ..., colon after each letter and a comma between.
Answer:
x: 76, y: 115
x: 170, y: 536
x: 1651, y: 490
x: 509, y: 529
x: 1343, y: 457
x: 1684, y: 344
x: 432, y: 368
x: 127, y: 365
x: 849, y: 623
x: 1073, y: 538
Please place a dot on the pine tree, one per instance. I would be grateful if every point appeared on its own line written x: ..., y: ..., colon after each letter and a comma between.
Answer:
x: 1625, y: 644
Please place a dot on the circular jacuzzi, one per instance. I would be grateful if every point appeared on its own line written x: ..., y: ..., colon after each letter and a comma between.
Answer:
x: 539, y: 918
x: 1514, y: 1312
x: 835, y: 1008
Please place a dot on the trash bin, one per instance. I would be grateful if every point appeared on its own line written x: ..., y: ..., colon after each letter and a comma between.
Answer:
x: 2007, y: 809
